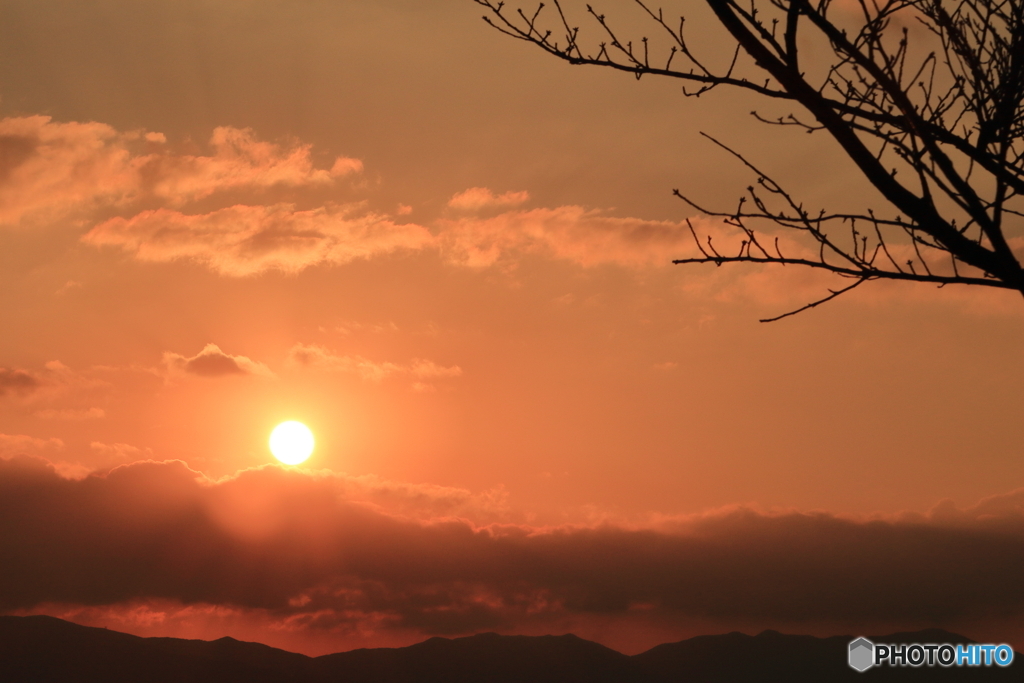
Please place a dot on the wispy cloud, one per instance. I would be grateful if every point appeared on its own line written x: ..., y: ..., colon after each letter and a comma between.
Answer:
x: 571, y: 233
x: 246, y: 240
x: 239, y: 161
x: 212, y: 362
x: 75, y: 173
x: 71, y: 413
x: 14, y: 381
x: 22, y: 444
x: 119, y: 453
x: 50, y: 170
x: 320, y: 358
x: 52, y: 382
x: 477, y: 198
x: 54, y: 170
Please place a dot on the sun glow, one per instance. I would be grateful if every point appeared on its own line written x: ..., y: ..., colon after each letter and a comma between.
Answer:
x: 291, y: 442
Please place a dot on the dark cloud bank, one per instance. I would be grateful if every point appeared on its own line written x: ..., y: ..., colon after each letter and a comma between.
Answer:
x: 17, y: 382
x: 298, y: 545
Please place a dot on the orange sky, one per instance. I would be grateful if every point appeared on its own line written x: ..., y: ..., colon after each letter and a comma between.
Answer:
x: 449, y: 256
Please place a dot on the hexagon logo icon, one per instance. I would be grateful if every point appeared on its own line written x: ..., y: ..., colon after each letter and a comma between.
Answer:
x: 862, y: 654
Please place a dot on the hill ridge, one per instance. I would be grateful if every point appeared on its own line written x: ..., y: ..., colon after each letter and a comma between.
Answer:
x: 43, y: 649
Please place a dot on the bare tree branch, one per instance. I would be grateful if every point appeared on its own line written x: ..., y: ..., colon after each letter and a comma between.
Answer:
x: 949, y: 110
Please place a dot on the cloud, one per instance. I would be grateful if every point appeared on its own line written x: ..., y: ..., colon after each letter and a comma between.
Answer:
x: 571, y: 233
x: 71, y: 413
x: 352, y: 326
x: 119, y: 451
x: 212, y: 362
x: 320, y: 358
x: 51, y: 453
x: 17, y: 382
x: 325, y: 551
x: 42, y: 451
x: 246, y: 240
x: 53, y: 172
x: 239, y: 161
x: 429, y: 369
x: 420, y: 501
x: 476, y: 198
x: 50, y: 170
x: 53, y: 382
x: 68, y: 286
x: 21, y: 444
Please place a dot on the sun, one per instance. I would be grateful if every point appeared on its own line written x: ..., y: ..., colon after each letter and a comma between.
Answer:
x: 291, y: 442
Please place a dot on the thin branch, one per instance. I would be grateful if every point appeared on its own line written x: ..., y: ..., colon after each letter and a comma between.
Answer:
x: 833, y: 294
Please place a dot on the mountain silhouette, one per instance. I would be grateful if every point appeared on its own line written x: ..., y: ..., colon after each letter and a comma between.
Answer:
x: 41, y: 649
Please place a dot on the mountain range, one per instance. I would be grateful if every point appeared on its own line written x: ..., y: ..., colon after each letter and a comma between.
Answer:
x: 38, y: 649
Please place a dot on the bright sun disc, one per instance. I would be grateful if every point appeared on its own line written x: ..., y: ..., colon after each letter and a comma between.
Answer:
x: 291, y: 442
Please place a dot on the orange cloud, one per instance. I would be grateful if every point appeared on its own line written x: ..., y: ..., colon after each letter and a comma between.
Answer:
x: 51, y: 170
x: 54, y: 381
x: 428, y: 369
x: 352, y: 326
x: 247, y: 240
x: 572, y: 233
x: 212, y: 362
x: 54, y: 170
x: 476, y: 198
x: 41, y: 451
x: 17, y: 382
x: 118, y: 453
x: 71, y: 413
x: 320, y: 358
x: 239, y: 161
x: 21, y: 444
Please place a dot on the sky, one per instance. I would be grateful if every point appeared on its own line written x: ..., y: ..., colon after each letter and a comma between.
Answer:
x: 450, y: 256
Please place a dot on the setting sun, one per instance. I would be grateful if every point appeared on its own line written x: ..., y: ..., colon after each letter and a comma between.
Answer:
x: 291, y: 442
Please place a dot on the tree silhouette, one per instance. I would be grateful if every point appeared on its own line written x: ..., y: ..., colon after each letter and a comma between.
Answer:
x: 937, y: 126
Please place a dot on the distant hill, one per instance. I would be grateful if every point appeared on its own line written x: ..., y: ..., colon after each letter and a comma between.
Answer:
x: 41, y: 649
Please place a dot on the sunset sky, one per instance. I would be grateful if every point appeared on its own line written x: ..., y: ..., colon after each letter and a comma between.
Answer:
x: 450, y: 256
